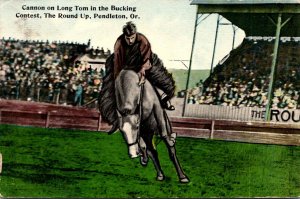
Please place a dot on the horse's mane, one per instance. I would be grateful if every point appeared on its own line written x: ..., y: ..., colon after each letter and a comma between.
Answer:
x: 107, y: 101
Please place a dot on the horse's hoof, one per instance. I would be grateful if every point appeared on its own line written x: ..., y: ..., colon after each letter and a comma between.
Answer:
x: 111, y: 132
x: 144, y: 161
x: 160, y: 177
x: 184, y: 180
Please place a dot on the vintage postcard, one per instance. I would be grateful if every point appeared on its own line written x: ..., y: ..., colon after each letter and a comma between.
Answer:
x: 149, y: 98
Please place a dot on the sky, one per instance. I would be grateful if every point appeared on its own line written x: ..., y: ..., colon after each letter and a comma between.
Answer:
x: 168, y: 25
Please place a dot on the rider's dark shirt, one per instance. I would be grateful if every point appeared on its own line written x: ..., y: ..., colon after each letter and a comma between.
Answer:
x: 132, y: 57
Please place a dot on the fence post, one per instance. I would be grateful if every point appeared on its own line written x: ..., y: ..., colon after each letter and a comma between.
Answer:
x: 48, y: 119
x: 0, y: 163
x: 99, y: 122
x: 212, y: 129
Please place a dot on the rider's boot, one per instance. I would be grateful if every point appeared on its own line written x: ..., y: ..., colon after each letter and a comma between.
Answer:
x: 166, y: 103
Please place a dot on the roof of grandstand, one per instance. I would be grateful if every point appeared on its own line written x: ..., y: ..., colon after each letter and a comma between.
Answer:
x: 256, y: 17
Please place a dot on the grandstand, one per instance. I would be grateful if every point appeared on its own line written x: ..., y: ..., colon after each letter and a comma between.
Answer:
x: 243, y: 78
x: 49, y: 71
x: 262, y: 74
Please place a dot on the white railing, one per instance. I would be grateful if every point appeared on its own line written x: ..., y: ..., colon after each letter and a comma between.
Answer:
x: 242, y: 113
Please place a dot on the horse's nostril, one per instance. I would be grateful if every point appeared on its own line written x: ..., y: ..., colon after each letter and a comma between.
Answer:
x: 127, y: 111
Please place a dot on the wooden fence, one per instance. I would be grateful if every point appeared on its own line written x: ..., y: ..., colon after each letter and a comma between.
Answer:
x: 53, y: 116
x: 50, y: 116
x: 251, y: 132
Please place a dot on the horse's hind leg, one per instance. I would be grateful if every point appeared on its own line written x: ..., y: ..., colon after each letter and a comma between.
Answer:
x: 163, y: 125
x: 172, y: 153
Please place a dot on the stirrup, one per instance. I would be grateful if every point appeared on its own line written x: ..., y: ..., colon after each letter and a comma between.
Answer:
x: 169, y: 106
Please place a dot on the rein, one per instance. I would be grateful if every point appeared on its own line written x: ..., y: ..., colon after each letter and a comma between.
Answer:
x: 141, y: 84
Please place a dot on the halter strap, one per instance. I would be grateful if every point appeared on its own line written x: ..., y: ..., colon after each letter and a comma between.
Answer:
x: 142, y: 84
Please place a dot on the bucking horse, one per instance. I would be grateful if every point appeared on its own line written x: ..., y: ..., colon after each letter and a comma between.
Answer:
x: 141, y: 117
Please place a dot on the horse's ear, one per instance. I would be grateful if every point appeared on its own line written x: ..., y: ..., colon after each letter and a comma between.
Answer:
x: 119, y: 114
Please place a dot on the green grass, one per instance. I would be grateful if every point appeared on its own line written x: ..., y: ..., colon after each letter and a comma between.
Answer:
x: 41, y: 162
x: 180, y: 77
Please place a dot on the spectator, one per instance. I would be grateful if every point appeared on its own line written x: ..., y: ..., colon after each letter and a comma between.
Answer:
x: 78, y: 94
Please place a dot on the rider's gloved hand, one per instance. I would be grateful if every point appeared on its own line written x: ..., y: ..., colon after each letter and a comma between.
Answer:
x: 142, y: 72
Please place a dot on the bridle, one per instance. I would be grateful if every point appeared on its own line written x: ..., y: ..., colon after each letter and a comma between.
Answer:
x: 140, y: 111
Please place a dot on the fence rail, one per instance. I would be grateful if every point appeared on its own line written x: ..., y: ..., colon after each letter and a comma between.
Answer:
x: 53, y: 116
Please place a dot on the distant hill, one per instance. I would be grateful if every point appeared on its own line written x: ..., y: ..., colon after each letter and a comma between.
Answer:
x: 180, y: 76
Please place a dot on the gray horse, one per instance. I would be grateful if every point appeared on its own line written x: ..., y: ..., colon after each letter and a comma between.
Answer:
x: 140, y: 117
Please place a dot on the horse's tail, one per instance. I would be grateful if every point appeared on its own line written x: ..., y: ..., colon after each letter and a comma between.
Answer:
x: 107, y: 100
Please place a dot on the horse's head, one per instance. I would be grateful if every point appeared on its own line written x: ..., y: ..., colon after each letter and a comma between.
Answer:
x: 129, y: 126
x: 128, y: 93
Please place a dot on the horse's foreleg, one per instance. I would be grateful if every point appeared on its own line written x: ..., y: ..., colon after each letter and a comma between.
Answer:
x: 143, y: 151
x: 172, y: 153
x: 154, y: 156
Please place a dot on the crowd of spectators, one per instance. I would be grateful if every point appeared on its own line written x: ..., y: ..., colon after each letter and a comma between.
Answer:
x: 49, y: 72
x: 243, y: 78
x: 52, y: 72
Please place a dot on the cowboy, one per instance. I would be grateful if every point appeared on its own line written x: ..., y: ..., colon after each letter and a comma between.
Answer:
x: 132, y: 51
